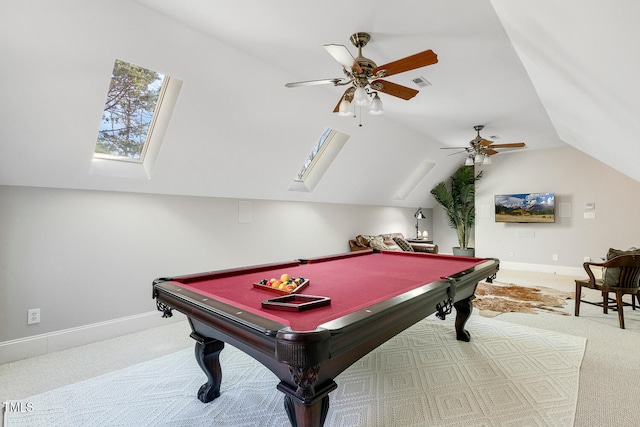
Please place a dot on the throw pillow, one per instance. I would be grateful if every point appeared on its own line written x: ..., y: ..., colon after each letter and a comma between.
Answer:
x: 376, y: 242
x: 390, y: 243
x: 363, y: 240
x: 611, y: 275
x: 404, y: 245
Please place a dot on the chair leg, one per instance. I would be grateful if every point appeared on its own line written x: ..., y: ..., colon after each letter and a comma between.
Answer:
x: 620, y: 313
x: 605, y: 302
x: 578, y: 296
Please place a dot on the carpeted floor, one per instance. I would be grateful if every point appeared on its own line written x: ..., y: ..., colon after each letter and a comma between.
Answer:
x: 508, y: 375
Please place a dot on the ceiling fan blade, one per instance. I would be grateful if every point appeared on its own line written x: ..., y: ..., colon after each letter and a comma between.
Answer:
x: 348, y: 95
x: 490, y: 152
x: 394, y: 89
x: 412, y: 62
x: 314, y: 82
x: 341, y: 54
x: 453, y: 154
x: 512, y: 145
x: 485, y: 142
x: 453, y: 148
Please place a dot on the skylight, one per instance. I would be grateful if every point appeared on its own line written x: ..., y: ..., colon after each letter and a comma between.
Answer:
x: 322, y: 155
x: 136, y: 114
x: 127, y: 120
x: 307, y: 164
x: 414, y: 179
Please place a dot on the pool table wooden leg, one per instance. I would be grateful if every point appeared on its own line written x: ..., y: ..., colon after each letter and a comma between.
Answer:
x: 306, y: 406
x: 301, y: 415
x: 463, y: 312
x: 208, y: 357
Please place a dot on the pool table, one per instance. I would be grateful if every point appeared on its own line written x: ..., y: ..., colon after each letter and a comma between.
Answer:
x: 372, y: 296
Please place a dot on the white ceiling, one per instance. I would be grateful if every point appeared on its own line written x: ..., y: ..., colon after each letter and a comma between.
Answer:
x: 547, y: 73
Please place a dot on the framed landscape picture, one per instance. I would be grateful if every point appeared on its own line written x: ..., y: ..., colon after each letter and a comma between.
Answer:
x: 525, y: 207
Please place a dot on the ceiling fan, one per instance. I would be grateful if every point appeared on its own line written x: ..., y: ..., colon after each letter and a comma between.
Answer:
x: 364, y: 77
x: 480, y: 149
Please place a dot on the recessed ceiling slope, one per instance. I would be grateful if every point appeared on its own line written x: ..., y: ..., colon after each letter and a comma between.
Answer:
x: 581, y: 59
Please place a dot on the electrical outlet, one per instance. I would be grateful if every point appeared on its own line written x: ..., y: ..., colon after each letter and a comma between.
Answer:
x: 33, y: 316
x: 510, y: 254
x: 587, y: 259
x: 554, y: 257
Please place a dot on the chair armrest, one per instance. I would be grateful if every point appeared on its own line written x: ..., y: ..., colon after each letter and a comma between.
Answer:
x: 587, y: 267
x: 624, y: 261
x: 595, y: 264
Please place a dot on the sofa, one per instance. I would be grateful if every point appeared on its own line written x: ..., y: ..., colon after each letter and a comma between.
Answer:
x: 389, y: 242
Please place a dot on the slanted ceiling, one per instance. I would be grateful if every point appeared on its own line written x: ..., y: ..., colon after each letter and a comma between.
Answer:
x: 547, y: 73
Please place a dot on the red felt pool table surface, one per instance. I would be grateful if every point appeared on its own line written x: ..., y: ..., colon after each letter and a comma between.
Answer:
x: 353, y: 282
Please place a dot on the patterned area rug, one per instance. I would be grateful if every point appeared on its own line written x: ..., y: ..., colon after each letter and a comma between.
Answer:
x: 496, y: 298
x: 508, y: 375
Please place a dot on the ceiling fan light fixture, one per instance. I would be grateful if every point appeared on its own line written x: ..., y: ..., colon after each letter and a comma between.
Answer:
x: 480, y: 150
x: 360, y: 96
x: 345, y: 108
x: 376, y: 106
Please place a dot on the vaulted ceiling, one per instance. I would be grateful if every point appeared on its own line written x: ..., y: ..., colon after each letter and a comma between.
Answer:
x: 547, y: 73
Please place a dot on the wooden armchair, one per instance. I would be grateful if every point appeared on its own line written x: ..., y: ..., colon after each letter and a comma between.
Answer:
x: 628, y: 282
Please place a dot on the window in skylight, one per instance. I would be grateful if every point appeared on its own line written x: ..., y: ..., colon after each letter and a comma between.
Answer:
x: 322, y: 155
x: 414, y: 179
x: 135, y: 117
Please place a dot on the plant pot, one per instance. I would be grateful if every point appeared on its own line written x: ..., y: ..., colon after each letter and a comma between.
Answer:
x: 463, y: 252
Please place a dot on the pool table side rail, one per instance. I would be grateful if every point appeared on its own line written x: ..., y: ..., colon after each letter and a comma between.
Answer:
x: 256, y: 339
x: 452, y: 283
x: 410, y: 307
x: 355, y: 335
x: 185, y: 300
x: 334, y: 257
x: 219, y: 274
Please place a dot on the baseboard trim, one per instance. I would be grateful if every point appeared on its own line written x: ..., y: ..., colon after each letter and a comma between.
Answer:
x: 37, y: 345
x: 542, y: 268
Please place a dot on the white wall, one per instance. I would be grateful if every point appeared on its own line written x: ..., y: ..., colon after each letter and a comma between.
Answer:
x: 89, y: 257
x: 576, y: 179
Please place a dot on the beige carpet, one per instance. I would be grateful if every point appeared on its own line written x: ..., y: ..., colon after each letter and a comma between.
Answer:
x: 508, y: 375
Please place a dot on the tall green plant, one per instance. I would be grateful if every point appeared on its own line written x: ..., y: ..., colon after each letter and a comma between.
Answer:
x: 458, y: 201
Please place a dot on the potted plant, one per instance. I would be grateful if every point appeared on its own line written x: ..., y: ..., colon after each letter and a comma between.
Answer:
x: 458, y: 201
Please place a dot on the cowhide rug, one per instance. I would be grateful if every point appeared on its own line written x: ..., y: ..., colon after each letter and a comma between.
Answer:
x: 496, y: 298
